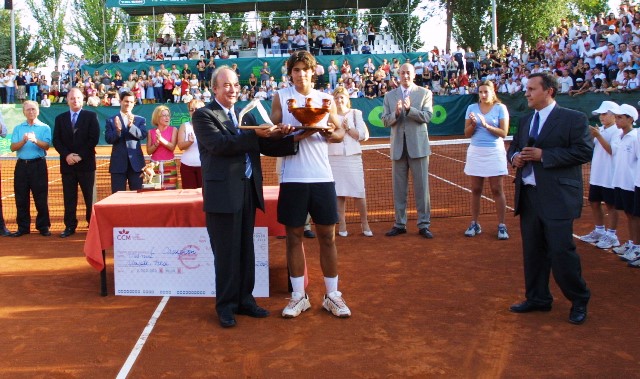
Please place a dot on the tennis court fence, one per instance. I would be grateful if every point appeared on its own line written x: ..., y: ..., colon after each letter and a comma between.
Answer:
x: 449, y: 186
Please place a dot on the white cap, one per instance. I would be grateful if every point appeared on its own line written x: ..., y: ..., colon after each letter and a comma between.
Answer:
x: 607, y: 106
x: 579, y: 80
x: 629, y: 110
x: 612, y: 27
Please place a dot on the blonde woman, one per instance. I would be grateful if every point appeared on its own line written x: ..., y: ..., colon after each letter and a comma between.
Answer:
x: 346, y: 162
x: 486, y: 123
x: 161, y: 142
x: 190, y: 167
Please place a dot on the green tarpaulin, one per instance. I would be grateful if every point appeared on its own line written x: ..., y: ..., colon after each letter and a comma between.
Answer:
x: 448, y: 115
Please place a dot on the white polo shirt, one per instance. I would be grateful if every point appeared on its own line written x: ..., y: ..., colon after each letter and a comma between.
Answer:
x: 625, y: 159
x: 602, y: 162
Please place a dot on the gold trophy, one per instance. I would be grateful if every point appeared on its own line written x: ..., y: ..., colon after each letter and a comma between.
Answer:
x: 308, y: 115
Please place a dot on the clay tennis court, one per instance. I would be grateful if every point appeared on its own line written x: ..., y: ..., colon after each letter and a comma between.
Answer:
x: 421, y: 308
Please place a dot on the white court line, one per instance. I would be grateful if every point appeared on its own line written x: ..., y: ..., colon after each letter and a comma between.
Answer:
x: 465, y: 189
x: 124, y: 371
x: 450, y: 182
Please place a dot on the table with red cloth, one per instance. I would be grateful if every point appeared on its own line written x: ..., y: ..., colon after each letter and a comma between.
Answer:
x: 170, y: 208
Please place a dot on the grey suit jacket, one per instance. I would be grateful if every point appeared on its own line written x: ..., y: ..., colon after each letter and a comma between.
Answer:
x: 411, y: 126
x: 566, y: 145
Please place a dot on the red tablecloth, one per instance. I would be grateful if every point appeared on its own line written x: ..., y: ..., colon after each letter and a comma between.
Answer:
x: 180, y: 208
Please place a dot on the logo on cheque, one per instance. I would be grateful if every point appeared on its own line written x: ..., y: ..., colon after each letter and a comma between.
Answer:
x: 188, y: 256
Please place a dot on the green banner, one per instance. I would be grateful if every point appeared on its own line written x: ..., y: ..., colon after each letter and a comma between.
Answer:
x: 447, y: 120
x: 248, y: 65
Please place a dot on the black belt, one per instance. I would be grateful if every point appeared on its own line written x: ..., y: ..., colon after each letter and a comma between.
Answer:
x: 529, y: 186
x: 31, y: 160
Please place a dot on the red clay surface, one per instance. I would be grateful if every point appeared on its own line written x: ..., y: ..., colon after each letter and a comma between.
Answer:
x: 421, y: 308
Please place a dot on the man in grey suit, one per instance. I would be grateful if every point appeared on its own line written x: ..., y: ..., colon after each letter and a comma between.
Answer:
x: 548, y: 150
x: 407, y: 110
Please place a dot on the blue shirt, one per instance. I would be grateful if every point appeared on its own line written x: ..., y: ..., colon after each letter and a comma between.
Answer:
x: 30, y: 150
x: 481, y: 136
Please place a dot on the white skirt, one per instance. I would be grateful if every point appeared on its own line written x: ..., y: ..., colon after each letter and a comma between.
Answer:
x: 486, y: 161
x: 348, y: 175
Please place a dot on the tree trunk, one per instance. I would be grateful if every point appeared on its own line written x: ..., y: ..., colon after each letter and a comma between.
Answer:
x: 449, y: 24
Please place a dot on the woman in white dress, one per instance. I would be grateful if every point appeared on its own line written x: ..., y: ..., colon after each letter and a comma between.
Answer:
x: 487, y: 123
x: 346, y: 162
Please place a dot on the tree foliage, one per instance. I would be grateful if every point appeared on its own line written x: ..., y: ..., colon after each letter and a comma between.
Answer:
x: 89, y: 19
x: 405, y: 30
x: 469, y: 27
x: 180, y: 24
x: 30, y: 49
x: 522, y: 21
x: 49, y: 16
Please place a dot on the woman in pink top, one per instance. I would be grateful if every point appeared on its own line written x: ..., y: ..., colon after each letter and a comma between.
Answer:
x: 161, y: 142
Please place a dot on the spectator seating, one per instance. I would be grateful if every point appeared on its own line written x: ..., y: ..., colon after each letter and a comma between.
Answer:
x: 384, y: 45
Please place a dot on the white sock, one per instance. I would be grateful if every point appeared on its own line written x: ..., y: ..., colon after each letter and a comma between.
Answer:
x: 297, y: 284
x: 611, y: 232
x: 331, y: 284
x: 600, y: 228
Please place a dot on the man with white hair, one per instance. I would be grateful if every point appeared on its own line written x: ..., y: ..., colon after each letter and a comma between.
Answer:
x: 31, y: 140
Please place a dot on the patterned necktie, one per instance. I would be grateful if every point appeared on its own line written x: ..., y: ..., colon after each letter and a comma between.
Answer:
x: 533, y: 136
x: 74, y: 118
x: 247, y: 170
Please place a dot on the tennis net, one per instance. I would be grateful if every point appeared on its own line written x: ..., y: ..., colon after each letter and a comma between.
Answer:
x: 449, y: 186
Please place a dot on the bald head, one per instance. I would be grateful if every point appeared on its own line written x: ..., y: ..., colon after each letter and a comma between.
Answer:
x: 407, y: 73
x: 75, y: 98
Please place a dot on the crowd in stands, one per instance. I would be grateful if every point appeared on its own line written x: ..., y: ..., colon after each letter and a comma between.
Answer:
x: 601, y: 54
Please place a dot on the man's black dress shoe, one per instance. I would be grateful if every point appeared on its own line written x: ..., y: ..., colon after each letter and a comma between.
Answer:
x: 578, y: 315
x: 19, y: 233
x: 426, y: 233
x: 253, y: 311
x: 309, y: 234
x: 395, y: 231
x: 526, y: 307
x: 45, y: 232
x: 226, y: 319
x: 67, y: 232
x: 4, y: 232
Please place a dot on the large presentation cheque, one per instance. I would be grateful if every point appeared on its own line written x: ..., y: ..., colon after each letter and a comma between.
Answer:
x: 175, y: 262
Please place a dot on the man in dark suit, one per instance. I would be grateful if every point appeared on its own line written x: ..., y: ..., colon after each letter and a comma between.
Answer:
x: 548, y: 150
x: 125, y: 132
x: 232, y: 190
x: 75, y: 136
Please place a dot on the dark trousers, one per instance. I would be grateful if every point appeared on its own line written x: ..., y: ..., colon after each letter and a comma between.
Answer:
x: 190, y: 176
x: 548, y: 247
x: 119, y: 180
x: 70, y: 182
x: 31, y: 176
x: 231, y: 236
x: 158, y: 93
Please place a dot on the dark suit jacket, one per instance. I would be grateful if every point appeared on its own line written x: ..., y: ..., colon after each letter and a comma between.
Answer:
x: 566, y: 144
x: 127, y: 146
x: 222, y: 153
x: 83, y: 142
